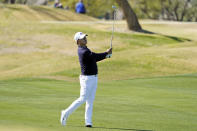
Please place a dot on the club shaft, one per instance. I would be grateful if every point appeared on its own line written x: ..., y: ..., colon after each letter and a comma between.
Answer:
x: 112, y: 36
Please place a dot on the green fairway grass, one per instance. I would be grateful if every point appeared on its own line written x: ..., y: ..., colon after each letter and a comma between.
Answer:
x: 159, y: 104
x: 149, y: 84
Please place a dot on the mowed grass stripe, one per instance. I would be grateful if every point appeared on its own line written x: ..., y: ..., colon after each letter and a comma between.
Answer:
x: 165, y: 103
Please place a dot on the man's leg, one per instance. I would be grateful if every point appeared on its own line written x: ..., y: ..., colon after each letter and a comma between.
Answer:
x: 83, y: 97
x: 89, y: 102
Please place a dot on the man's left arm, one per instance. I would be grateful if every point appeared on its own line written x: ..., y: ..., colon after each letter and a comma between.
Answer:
x: 100, y: 56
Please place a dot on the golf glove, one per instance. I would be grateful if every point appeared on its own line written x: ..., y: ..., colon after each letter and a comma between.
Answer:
x: 108, y: 55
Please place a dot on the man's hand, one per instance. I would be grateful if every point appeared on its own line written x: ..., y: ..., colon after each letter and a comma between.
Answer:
x: 109, y: 51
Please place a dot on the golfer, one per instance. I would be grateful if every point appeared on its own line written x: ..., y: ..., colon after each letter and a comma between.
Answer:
x: 88, y: 79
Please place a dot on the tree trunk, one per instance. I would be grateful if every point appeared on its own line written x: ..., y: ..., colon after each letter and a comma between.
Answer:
x: 25, y: 2
x: 162, y: 9
x: 132, y: 20
x: 176, y: 11
x: 184, y: 10
x: 12, y: 1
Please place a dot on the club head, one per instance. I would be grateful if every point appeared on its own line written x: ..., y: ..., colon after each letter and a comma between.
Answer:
x: 113, y: 6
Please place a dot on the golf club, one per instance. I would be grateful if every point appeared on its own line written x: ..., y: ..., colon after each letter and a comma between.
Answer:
x: 112, y: 36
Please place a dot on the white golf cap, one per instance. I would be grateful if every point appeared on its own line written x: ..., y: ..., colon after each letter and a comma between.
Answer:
x: 79, y: 35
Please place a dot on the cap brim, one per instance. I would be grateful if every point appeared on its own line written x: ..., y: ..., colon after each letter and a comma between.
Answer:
x: 82, y: 36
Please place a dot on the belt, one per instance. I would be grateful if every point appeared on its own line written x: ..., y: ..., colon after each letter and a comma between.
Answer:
x: 90, y: 75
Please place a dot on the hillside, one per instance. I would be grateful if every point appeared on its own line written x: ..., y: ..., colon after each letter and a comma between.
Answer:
x: 46, y: 49
x: 37, y: 13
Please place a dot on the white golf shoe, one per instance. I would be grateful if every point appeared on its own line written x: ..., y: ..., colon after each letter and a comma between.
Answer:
x: 63, y: 118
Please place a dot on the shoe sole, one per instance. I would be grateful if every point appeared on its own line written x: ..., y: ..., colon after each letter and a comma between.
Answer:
x: 61, y: 119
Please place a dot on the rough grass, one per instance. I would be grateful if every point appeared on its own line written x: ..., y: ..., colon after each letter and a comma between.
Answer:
x: 35, y: 13
x: 48, y: 50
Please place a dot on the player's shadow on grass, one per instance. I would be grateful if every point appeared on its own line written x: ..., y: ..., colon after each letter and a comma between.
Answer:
x: 128, y: 129
x: 114, y: 128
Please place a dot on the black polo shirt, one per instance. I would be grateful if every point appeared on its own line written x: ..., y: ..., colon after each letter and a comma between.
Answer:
x: 88, y: 60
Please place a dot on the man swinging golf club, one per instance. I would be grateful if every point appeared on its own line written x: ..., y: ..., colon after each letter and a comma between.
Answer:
x: 88, y: 79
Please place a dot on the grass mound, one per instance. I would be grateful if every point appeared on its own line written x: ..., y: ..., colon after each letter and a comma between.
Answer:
x: 34, y: 49
x: 37, y: 13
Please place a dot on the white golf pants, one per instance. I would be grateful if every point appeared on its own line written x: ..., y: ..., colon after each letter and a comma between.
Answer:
x: 87, y: 94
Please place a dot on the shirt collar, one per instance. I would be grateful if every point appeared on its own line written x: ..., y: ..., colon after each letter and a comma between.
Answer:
x: 82, y: 46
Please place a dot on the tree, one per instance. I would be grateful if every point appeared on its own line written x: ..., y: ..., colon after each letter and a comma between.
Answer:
x: 132, y: 20
x: 176, y: 9
x: 10, y: 1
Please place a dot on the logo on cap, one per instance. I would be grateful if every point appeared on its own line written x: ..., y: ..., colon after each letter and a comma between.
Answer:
x: 79, y: 35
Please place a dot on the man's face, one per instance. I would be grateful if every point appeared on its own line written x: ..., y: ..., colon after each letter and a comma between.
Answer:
x: 82, y: 42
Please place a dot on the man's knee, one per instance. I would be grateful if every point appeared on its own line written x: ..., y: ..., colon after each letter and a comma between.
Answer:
x: 81, y: 99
